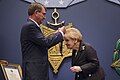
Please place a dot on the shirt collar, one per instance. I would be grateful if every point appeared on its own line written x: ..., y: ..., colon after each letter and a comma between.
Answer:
x: 34, y: 22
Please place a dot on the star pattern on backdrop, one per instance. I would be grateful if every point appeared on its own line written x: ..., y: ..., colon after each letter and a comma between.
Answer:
x: 56, y: 3
x: 115, y: 1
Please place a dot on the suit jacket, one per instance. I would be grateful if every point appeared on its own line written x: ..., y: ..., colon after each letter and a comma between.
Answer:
x: 87, y: 59
x: 34, y: 46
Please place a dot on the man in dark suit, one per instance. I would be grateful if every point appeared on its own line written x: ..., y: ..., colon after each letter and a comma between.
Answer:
x: 85, y: 62
x: 35, y: 45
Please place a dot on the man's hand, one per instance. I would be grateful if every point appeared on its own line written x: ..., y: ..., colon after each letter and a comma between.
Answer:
x: 76, y: 69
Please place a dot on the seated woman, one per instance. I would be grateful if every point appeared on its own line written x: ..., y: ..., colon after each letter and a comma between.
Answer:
x: 85, y: 62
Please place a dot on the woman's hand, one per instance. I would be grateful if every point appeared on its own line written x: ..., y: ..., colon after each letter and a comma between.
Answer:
x: 76, y: 69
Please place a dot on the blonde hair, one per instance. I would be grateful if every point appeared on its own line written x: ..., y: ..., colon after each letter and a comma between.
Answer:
x: 73, y: 34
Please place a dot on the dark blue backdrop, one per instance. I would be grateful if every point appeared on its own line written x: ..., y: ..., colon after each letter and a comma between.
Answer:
x: 98, y: 20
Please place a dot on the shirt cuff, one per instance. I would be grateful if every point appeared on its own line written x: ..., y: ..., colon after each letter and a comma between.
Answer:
x: 61, y: 32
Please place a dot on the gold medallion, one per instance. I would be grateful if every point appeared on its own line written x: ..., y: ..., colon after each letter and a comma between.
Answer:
x: 55, y: 56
